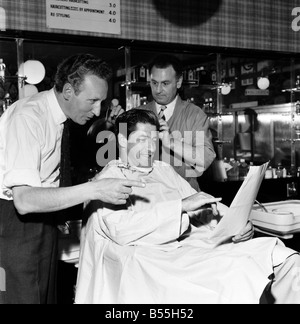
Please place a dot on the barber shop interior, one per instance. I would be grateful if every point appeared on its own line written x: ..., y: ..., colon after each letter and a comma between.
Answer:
x: 162, y: 163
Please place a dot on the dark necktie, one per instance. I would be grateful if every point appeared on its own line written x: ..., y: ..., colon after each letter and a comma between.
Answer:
x: 65, y: 215
x: 161, y: 114
x: 65, y: 162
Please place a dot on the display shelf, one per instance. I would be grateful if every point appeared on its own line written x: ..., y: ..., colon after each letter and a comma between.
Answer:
x: 271, y: 189
x: 20, y: 79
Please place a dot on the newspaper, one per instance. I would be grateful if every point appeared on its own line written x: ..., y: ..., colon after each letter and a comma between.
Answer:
x: 237, y: 216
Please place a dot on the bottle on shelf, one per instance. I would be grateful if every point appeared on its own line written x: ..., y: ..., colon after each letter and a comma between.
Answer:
x: 284, y: 173
x: 243, y: 169
x: 214, y: 77
x: 142, y: 74
x: 279, y: 171
x: 191, y: 75
x: 6, y: 102
x: 211, y: 105
x: 293, y: 171
x: 204, y: 77
x: 269, y: 173
x: 233, y: 173
x: 2, y: 69
x: 206, y: 106
x: 298, y: 81
x: 298, y: 107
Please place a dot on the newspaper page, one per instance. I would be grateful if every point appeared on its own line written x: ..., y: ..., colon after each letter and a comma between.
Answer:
x: 237, y: 216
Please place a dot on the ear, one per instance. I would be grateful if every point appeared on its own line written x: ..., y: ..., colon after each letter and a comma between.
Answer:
x: 179, y: 82
x: 122, y: 141
x: 68, y: 91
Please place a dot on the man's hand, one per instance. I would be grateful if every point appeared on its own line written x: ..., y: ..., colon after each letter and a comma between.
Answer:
x: 246, y: 234
x: 115, y: 111
x: 114, y: 191
x: 198, y: 200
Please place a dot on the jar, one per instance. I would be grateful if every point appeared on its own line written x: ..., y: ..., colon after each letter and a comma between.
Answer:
x: 269, y: 173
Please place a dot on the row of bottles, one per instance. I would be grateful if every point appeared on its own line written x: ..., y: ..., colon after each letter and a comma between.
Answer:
x: 200, y: 74
x: 6, y: 101
x: 2, y: 69
x: 236, y: 170
x: 279, y: 171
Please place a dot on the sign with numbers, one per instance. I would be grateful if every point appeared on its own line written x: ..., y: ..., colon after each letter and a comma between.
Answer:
x: 100, y: 16
x: 256, y: 92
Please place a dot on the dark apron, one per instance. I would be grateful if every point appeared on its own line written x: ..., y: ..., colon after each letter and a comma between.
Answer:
x: 28, y: 257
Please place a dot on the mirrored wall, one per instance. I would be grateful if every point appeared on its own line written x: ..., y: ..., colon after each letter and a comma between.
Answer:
x: 252, y: 99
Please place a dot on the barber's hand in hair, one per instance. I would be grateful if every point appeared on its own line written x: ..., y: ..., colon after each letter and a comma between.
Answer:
x: 246, y: 234
x: 198, y: 200
x: 114, y: 191
x: 115, y: 111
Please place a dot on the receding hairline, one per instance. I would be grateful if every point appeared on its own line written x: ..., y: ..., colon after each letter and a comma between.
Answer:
x: 165, y: 61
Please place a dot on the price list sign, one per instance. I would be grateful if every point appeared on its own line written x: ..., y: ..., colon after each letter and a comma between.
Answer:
x: 100, y: 16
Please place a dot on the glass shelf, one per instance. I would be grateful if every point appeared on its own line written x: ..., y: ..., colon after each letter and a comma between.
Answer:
x: 13, y: 78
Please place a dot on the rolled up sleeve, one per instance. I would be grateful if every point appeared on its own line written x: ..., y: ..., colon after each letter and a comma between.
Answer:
x: 23, y: 154
x: 21, y: 177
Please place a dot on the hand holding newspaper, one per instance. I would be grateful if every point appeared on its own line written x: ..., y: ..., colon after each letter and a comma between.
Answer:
x: 237, y: 216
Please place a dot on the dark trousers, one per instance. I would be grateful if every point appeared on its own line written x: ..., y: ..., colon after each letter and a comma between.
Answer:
x: 28, y: 257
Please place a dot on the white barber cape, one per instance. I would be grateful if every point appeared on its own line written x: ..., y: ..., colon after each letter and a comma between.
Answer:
x: 131, y: 254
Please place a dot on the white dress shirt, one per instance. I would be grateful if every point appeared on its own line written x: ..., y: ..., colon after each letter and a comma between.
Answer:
x: 169, y: 110
x: 30, y: 143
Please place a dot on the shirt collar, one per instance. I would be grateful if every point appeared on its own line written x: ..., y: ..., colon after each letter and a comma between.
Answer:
x: 56, y: 111
x: 169, y: 110
x: 122, y: 165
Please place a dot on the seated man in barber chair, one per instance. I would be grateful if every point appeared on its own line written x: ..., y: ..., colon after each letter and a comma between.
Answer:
x: 152, y: 250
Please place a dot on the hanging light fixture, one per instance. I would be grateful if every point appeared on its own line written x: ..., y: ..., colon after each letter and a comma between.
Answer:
x: 263, y: 83
x: 33, y: 70
x: 225, y: 89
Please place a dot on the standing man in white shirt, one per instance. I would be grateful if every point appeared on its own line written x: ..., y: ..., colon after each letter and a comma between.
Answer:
x: 30, y: 152
x: 191, y: 150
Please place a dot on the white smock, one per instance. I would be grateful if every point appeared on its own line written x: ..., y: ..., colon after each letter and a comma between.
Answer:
x: 137, y: 254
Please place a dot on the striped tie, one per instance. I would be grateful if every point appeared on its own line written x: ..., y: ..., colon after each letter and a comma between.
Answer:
x: 161, y: 114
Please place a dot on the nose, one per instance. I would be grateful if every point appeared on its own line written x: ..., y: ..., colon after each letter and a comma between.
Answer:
x: 97, y: 109
x: 159, y: 88
x: 152, y: 146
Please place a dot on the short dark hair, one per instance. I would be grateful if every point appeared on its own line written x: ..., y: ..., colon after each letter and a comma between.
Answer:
x: 134, y: 116
x: 163, y: 61
x: 75, y: 68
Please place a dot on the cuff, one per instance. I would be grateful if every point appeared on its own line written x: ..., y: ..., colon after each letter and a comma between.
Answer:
x: 21, y: 177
